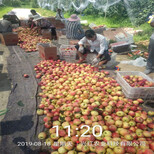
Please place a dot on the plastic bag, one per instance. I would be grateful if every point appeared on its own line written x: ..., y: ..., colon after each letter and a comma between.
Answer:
x: 140, y: 62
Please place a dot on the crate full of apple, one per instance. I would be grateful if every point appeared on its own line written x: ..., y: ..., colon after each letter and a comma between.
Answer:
x: 99, y: 29
x: 136, y: 84
x: 67, y: 52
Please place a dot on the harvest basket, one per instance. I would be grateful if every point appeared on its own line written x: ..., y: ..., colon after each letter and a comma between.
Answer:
x: 135, y: 92
x: 98, y: 30
x: 67, y: 53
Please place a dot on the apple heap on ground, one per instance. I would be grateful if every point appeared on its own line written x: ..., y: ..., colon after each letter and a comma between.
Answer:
x: 27, y: 40
x: 77, y: 94
x: 138, y: 53
x: 137, y: 81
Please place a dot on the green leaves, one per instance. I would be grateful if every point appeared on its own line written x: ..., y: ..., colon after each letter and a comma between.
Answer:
x: 20, y: 104
x: 2, y: 112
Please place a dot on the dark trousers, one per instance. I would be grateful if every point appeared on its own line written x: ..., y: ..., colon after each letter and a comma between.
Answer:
x: 53, y: 32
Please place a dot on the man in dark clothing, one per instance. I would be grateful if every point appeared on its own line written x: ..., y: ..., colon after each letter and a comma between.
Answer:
x: 150, y: 60
x: 12, y: 18
x: 43, y: 23
x: 5, y: 26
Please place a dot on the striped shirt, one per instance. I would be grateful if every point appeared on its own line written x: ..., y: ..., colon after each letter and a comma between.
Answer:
x: 73, y: 29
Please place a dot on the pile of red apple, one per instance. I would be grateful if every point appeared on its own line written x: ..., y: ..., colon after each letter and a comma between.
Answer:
x: 137, y: 81
x: 27, y: 40
x: 74, y: 95
x: 138, y: 53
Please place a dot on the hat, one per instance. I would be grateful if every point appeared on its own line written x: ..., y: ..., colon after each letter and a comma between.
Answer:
x: 37, y: 17
x: 11, y: 13
x: 150, y: 18
x: 74, y: 17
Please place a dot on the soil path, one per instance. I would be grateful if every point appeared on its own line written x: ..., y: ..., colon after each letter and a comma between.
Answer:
x: 21, y: 124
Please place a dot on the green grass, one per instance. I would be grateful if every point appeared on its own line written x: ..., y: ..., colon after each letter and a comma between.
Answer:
x: 109, y: 22
x: 145, y: 35
x: 4, y: 10
x: 26, y: 5
x: 44, y: 12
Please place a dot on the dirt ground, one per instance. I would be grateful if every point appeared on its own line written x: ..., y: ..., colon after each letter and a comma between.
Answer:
x: 5, y: 84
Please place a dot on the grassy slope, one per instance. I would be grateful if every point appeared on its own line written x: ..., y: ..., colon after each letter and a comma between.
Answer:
x: 44, y: 12
x: 145, y: 35
x: 4, y: 10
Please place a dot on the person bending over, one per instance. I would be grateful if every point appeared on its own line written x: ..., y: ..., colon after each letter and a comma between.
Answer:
x: 12, y: 18
x: 98, y: 44
x: 43, y: 23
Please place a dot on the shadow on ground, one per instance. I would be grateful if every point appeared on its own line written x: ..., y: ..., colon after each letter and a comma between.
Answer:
x: 5, y: 84
x: 1, y: 52
x: 1, y: 68
x: 9, y: 127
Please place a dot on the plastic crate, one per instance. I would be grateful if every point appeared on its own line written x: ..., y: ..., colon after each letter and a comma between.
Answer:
x: 135, y: 92
x: 121, y: 37
x: 67, y: 53
x: 97, y: 30
x: 120, y: 47
x: 91, y: 25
